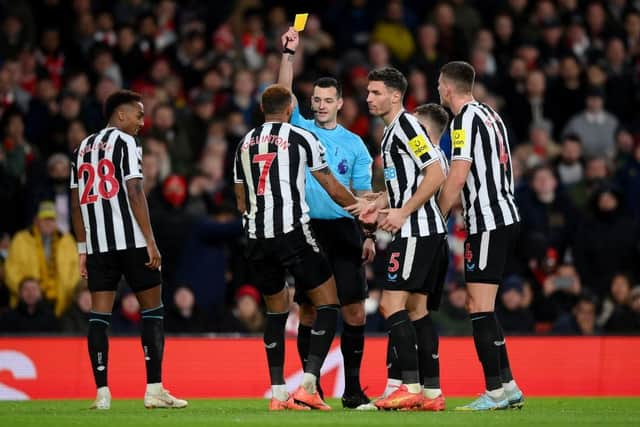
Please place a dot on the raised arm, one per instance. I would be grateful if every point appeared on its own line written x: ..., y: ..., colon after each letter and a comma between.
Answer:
x: 290, y: 41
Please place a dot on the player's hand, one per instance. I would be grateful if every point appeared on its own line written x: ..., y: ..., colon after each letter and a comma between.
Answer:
x: 154, y: 257
x: 368, y: 214
x: 290, y: 39
x: 372, y: 197
x: 394, y: 221
x: 368, y: 251
x: 83, y: 266
x: 357, y: 207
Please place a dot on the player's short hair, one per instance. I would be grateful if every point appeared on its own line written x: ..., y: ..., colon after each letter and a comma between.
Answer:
x: 434, y: 113
x: 275, y: 99
x: 461, y: 74
x: 325, y: 82
x: 119, y: 98
x: 391, y: 78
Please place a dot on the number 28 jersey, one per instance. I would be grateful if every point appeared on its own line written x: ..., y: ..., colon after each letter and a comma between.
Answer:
x: 100, y: 168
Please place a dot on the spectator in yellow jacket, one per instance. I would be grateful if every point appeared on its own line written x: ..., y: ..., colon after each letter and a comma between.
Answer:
x: 45, y: 253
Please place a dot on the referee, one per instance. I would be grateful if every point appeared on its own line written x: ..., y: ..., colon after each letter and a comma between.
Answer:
x: 481, y: 168
x: 337, y: 232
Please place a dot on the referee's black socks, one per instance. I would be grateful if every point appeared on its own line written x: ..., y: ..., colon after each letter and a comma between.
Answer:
x: 274, y: 345
x: 352, y: 346
x: 324, y: 329
x: 98, y: 345
x: 403, y: 336
x: 488, y: 342
x: 153, y: 342
x: 428, y: 357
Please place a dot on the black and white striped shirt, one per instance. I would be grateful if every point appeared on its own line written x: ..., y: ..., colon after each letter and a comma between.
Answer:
x: 406, y: 151
x: 478, y: 135
x: 100, y: 168
x: 271, y: 162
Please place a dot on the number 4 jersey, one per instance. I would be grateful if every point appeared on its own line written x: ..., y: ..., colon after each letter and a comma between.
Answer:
x: 100, y: 168
x: 271, y: 162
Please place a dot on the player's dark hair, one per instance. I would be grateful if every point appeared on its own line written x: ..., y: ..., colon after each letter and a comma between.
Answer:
x: 436, y: 114
x: 119, y: 98
x: 275, y: 99
x: 391, y: 78
x: 461, y: 74
x: 325, y: 82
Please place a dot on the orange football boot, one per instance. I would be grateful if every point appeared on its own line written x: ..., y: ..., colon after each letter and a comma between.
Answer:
x: 313, y: 401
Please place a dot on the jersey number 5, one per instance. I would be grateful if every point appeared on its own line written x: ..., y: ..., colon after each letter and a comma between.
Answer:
x: 108, y: 185
x: 267, y: 158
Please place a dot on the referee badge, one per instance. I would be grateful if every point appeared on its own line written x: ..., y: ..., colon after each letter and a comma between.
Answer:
x: 458, y: 136
x: 419, y: 145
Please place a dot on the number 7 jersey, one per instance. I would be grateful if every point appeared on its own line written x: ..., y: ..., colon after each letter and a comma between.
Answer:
x: 100, y: 168
x: 271, y: 162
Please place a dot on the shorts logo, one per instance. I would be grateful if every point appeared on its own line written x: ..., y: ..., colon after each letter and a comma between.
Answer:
x: 390, y: 174
x: 458, y: 136
x: 468, y: 257
x: 394, y: 266
x: 419, y: 145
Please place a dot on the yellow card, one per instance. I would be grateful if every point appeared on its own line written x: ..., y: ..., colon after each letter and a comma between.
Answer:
x: 300, y: 22
x: 419, y: 145
x: 459, y: 138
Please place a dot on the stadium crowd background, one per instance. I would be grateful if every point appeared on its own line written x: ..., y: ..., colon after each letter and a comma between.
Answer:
x: 565, y: 76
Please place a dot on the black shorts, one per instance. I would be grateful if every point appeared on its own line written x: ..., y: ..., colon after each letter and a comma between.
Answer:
x: 485, y: 254
x: 106, y: 269
x: 415, y: 264
x: 341, y: 241
x: 296, y: 251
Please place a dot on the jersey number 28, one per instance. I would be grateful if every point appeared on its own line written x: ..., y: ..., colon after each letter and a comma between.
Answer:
x: 108, y: 185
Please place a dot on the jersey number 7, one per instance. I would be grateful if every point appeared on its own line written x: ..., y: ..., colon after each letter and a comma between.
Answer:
x: 108, y: 185
x: 268, y: 159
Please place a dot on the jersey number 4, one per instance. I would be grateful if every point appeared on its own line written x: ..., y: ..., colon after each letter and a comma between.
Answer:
x: 268, y: 159
x: 108, y: 185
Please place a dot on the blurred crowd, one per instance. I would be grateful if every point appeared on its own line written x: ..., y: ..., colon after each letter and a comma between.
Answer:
x: 564, y: 74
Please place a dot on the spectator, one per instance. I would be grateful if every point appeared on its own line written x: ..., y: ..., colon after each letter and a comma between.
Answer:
x: 46, y: 254
x: 626, y: 319
x: 546, y: 211
x: 452, y: 318
x: 607, y: 241
x: 76, y: 319
x: 559, y: 293
x: 540, y: 149
x: 595, y: 126
x: 246, y: 316
x: 54, y: 187
x: 514, y: 315
x: 582, y: 320
x: 427, y: 57
x: 18, y: 153
x: 167, y: 129
x: 628, y: 178
x: 185, y: 316
x: 615, y: 307
x: 126, y: 318
x: 567, y: 95
x: 31, y: 313
x: 393, y: 32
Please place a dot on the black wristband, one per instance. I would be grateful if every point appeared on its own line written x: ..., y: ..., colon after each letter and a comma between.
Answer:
x: 287, y: 50
x: 371, y: 236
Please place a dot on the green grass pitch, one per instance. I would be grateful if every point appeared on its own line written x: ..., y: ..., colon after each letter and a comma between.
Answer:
x: 253, y: 412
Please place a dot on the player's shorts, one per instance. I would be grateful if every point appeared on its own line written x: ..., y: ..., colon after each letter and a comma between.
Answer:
x: 106, y: 269
x: 485, y: 254
x: 341, y: 242
x: 297, y: 252
x: 415, y: 263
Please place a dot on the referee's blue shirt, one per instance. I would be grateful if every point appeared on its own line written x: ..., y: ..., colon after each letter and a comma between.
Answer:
x: 348, y: 159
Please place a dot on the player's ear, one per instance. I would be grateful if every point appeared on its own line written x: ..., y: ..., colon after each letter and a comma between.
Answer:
x: 339, y: 103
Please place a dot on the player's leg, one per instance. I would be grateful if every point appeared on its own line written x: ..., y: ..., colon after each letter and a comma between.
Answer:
x: 277, y: 313
x: 103, y: 277
x: 98, y: 344
x: 484, y: 263
x: 307, y: 315
x: 428, y: 354
x: 147, y: 285
x: 352, y: 348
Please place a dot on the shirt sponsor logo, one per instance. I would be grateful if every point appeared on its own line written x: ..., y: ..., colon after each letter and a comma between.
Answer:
x: 390, y: 174
x: 459, y: 137
x: 419, y: 145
